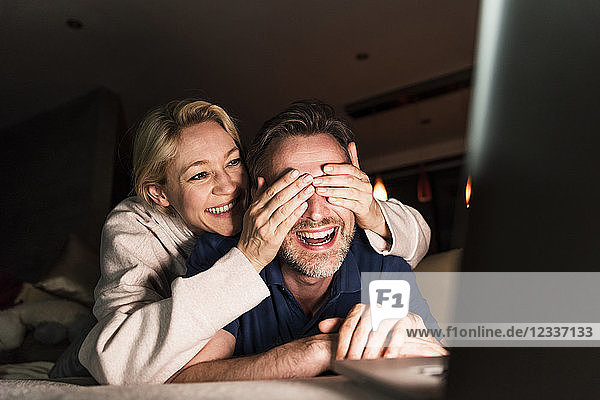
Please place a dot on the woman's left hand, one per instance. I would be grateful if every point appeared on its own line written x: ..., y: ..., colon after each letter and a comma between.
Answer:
x: 345, y: 185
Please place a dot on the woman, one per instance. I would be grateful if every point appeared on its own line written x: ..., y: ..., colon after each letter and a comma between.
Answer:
x: 189, y: 179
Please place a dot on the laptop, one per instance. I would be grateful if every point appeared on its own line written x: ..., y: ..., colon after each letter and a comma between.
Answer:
x: 414, y: 378
x: 534, y: 158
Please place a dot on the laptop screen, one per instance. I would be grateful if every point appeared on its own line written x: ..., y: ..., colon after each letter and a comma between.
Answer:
x: 533, y: 155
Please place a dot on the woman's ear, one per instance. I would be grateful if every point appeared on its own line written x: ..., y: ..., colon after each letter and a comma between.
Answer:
x: 158, y: 195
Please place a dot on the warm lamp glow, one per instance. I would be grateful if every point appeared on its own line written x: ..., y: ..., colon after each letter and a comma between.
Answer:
x: 423, y: 186
x: 379, y: 191
x: 468, y: 191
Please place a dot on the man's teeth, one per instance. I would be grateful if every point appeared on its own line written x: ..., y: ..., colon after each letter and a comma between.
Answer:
x: 221, y: 210
x: 302, y: 235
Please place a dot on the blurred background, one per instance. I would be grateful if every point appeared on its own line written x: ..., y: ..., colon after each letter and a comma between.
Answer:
x: 76, y: 76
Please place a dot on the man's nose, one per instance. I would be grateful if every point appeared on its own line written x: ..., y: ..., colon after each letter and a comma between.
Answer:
x: 224, y: 184
x: 317, y: 208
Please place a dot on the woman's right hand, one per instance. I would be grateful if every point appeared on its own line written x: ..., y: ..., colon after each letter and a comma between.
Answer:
x: 273, y: 213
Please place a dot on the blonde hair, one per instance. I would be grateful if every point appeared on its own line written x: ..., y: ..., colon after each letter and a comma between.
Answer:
x: 157, y: 137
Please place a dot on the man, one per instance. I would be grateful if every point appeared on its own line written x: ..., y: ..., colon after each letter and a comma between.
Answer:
x: 315, y: 279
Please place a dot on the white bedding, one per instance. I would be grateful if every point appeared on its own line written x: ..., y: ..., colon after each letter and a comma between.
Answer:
x: 322, y: 388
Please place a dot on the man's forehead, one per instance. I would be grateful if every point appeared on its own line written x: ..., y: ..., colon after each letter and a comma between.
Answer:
x: 307, y: 154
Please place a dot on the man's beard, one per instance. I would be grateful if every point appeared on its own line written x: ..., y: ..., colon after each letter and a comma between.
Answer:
x: 322, y: 264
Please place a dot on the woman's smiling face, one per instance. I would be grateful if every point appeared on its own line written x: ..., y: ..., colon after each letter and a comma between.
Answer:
x: 207, y: 181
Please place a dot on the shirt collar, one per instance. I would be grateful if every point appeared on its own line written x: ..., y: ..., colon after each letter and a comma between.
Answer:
x: 347, y: 278
x: 272, y: 275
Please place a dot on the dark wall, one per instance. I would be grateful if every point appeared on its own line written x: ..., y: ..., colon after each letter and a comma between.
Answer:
x: 58, y: 179
x: 444, y: 212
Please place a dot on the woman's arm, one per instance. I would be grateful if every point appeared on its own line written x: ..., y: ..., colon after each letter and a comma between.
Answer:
x: 151, y: 341
x: 410, y: 234
x: 149, y: 324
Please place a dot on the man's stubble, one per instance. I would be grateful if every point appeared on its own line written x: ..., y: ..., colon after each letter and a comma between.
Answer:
x: 318, y: 265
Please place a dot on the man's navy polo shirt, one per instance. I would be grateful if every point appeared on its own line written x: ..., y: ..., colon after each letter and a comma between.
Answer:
x: 279, y: 319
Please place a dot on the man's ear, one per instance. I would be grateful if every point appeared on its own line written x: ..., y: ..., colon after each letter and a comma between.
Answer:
x: 158, y: 195
x: 353, y: 154
x: 259, y: 188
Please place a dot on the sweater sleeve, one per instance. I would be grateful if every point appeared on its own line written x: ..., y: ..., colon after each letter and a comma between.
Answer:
x: 410, y: 233
x: 149, y: 324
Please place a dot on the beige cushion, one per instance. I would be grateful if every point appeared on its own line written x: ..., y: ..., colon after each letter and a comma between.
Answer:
x: 439, y: 289
x: 447, y: 261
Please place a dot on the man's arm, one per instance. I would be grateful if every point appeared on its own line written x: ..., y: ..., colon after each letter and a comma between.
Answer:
x: 301, y: 358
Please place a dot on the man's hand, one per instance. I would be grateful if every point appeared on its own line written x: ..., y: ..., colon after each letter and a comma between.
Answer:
x: 271, y: 216
x: 357, y: 340
x: 345, y: 185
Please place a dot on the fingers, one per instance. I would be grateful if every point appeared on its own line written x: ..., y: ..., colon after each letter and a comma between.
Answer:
x: 347, y: 192
x: 347, y: 187
x: 397, y: 340
x: 345, y: 180
x: 400, y: 345
x: 285, y: 181
x: 286, y: 214
x: 284, y: 220
x: 346, y: 203
x: 330, y: 325
x: 348, y: 330
x: 415, y: 347
x: 377, y: 340
x: 361, y: 336
x: 273, y: 213
x: 281, y: 204
x: 294, y: 193
x: 340, y: 192
x: 356, y: 340
x: 345, y: 169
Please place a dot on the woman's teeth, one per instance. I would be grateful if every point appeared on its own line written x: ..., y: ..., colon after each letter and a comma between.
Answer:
x: 221, y: 210
x: 316, y: 238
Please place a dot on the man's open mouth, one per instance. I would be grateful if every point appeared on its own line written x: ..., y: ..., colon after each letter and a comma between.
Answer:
x: 222, y: 209
x: 317, y: 240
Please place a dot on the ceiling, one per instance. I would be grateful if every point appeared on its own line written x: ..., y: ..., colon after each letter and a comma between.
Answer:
x: 251, y: 57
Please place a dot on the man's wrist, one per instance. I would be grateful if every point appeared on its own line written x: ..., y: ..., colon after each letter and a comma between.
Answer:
x: 308, y: 356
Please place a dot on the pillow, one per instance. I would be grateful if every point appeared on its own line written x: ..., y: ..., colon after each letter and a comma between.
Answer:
x: 440, y: 289
x: 75, y: 273
x: 447, y: 261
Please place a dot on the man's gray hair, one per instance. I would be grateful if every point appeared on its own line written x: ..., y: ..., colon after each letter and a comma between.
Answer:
x: 301, y: 118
